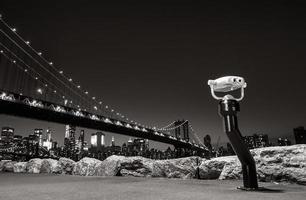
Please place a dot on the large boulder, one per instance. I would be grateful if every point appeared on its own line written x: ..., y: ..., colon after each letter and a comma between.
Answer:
x: 50, y: 166
x: 8, y: 166
x: 109, y: 167
x: 211, y: 169
x: 1, y: 164
x: 66, y: 165
x: 177, y: 168
x: 282, y: 163
x: 286, y: 163
x: 20, y: 167
x: 86, y: 166
x: 34, y: 165
x: 136, y: 166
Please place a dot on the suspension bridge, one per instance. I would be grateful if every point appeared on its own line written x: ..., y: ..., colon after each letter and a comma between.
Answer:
x: 33, y: 87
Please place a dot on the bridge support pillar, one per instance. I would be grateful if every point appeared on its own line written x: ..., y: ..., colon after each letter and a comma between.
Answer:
x: 228, y: 109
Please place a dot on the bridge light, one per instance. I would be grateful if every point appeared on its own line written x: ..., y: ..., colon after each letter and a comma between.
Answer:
x: 36, y: 78
x: 95, y: 107
x: 54, y: 91
x: 79, y: 86
x: 39, y: 90
x: 14, y: 61
x: 100, y: 102
x: 27, y: 42
x: 46, y: 85
x: 14, y: 29
x: 61, y: 72
x: 86, y: 92
x: 106, y: 107
x: 93, y: 98
x: 112, y: 110
x: 39, y: 53
x: 25, y: 70
x: 70, y: 79
x: 50, y: 63
x: 1, y: 51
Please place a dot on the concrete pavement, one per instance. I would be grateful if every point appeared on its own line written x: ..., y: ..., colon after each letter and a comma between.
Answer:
x: 59, y: 187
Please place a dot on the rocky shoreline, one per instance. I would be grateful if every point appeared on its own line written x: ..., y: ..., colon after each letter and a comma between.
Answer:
x: 273, y: 164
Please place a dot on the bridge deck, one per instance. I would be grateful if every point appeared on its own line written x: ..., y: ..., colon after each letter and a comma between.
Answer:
x: 18, y: 107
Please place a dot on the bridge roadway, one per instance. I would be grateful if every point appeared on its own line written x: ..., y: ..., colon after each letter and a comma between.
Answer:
x: 23, y: 106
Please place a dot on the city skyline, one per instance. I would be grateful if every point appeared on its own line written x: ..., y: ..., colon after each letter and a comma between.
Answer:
x: 152, y: 62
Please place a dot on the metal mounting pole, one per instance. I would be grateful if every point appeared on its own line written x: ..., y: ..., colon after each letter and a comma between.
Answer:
x: 228, y: 109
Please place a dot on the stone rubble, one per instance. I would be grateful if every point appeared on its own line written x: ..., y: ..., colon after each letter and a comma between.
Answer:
x: 286, y: 163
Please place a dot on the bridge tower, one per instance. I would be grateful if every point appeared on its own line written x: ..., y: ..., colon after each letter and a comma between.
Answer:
x: 178, y: 129
x: 182, y: 127
x: 186, y: 131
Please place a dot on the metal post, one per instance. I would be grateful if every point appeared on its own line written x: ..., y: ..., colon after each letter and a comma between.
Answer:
x: 228, y: 109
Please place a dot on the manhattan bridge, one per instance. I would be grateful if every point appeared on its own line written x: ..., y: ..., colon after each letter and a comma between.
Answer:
x: 33, y: 87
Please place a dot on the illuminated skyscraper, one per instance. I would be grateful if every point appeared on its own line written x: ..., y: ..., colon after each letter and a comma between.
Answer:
x: 113, y: 141
x: 38, y: 132
x: 70, y: 142
x: 7, y: 137
x: 97, y: 140
x: 47, y: 143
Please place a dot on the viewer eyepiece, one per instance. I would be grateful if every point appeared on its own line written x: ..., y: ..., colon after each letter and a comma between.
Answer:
x: 227, y: 84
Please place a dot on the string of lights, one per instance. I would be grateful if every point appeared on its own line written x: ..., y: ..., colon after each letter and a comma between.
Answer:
x: 40, y: 64
x: 38, y: 77
x: 167, y: 126
x: 26, y: 71
x: 65, y: 80
x: 77, y: 86
x: 175, y: 127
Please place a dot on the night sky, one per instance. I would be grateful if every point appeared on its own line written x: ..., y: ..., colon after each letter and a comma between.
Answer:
x: 151, y: 61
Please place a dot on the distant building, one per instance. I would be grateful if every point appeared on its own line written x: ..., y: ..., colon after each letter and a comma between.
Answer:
x: 7, y: 137
x: 207, y: 142
x: 47, y: 142
x: 256, y: 141
x: 38, y: 132
x: 283, y: 142
x: 97, y: 141
x: 300, y: 135
x: 80, y: 145
x: 17, y: 140
x: 69, y: 150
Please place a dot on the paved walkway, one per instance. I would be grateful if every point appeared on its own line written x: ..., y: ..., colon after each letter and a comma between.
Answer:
x: 58, y: 187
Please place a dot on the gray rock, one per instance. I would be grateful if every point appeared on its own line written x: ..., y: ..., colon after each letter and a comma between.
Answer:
x: 109, y: 167
x: 286, y: 163
x: 50, y: 166
x: 125, y: 172
x: 34, y: 165
x: 8, y: 166
x: 176, y: 168
x: 1, y: 165
x: 139, y: 166
x: 172, y: 168
x: 211, y: 169
x: 66, y: 165
x: 20, y: 167
x: 86, y: 166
